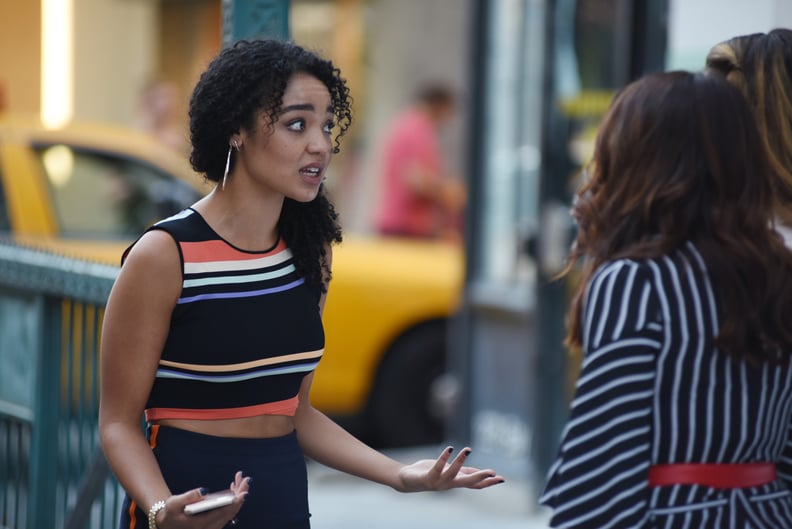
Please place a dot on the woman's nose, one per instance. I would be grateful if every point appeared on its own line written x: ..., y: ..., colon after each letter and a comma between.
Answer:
x: 319, y: 141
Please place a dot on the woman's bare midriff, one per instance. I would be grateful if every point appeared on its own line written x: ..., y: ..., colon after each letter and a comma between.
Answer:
x: 261, y: 426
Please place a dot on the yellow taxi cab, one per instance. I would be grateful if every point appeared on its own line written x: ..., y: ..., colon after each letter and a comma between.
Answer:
x: 87, y: 191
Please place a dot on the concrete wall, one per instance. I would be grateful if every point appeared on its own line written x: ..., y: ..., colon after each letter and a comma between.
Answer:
x: 115, y: 53
x: 20, y: 57
x: 694, y: 27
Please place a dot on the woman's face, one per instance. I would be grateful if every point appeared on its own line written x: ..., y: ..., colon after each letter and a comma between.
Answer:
x: 291, y: 159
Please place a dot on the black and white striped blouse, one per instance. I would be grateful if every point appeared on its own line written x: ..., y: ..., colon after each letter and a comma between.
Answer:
x: 654, y: 389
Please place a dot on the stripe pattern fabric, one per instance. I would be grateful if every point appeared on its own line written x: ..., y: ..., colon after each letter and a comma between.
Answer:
x: 654, y: 389
x: 245, y: 331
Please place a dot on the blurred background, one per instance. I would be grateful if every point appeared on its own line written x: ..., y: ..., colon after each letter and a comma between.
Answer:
x: 454, y: 340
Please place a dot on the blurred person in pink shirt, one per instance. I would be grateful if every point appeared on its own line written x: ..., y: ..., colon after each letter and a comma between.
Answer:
x: 418, y: 197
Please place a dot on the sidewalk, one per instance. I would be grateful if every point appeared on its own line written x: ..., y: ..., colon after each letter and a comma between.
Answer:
x: 340, y: 501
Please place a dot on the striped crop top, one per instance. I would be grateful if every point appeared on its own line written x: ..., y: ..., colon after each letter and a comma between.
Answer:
x: 243, y: 335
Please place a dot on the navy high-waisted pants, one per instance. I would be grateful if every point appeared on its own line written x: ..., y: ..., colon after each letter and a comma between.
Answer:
x: 278, y: 497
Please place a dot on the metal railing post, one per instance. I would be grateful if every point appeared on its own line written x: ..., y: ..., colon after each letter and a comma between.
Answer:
x: 255, y: 18
x: 60, y: 412
x: 90, y: 489
x: 44, y: 449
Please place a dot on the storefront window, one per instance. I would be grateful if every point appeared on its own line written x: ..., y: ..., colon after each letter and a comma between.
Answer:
x: 511, y: 152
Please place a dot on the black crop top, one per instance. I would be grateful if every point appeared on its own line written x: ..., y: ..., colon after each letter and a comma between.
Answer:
x: 243, y: 335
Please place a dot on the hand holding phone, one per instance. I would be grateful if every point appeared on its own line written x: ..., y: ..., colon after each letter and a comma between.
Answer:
x: 211, y: 501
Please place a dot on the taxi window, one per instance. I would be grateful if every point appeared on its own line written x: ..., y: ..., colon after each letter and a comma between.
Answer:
x: 103, y: 195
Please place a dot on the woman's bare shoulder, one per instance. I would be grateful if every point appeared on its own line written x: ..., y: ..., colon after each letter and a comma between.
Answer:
x: 153, y: 265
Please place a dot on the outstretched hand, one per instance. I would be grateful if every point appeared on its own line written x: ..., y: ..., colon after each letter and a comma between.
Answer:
x: 439, y: 474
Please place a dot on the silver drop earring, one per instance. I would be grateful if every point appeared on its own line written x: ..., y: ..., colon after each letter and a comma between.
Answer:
x: 228, y: 163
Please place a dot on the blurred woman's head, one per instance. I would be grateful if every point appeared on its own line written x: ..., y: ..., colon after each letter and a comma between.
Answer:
x: 760, y: 65
x: 679, y: 158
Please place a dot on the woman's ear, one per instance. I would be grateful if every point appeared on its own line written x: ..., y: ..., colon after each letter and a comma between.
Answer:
x: 236, y: 140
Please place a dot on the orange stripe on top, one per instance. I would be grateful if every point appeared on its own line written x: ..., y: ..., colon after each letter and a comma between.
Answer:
x: 153, y: 435
x: 132, y: 517
x: 224, y: 368
x: 286, y: 407
x: 219, y: 250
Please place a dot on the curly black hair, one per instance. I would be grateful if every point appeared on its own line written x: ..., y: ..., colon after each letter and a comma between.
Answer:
x: 249, y: 78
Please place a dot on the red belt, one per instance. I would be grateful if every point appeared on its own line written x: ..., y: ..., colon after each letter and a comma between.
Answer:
x: 718, y: 476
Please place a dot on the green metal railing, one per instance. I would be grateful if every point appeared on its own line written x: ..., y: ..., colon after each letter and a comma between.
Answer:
x: 52, y: 472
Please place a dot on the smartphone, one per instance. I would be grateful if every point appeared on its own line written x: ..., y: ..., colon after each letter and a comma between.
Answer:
x: 211, y: 501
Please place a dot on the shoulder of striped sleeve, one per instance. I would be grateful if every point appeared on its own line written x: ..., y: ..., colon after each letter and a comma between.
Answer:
x: 600, y: 476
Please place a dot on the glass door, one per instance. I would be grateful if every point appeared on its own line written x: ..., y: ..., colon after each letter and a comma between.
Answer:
x: 544, y: 74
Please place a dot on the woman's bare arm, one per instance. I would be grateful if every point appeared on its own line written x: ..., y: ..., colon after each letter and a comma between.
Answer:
x: 136, y: 323
x: 326, y: 442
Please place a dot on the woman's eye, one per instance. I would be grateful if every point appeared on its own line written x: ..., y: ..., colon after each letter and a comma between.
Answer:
x: 296, y: 125
x: 329, y: 126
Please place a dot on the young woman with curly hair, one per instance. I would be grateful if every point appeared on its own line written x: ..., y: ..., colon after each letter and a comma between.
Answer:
x: 213, y: 328
x: 682, y: 410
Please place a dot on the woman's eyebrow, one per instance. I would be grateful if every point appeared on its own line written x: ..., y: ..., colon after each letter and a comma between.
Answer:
x: 302, y: 106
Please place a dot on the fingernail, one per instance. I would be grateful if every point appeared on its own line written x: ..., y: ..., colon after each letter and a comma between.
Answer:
x: 202, y: 491
x: 500, y: 481
x: 468, y: 452
x: 249, y: 480
x: 450, y: 450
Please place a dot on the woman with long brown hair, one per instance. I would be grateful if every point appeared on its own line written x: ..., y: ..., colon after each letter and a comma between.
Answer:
x: 682, y: 410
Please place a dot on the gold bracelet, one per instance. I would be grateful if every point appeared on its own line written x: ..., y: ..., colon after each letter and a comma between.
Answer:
x: 152, y: 513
